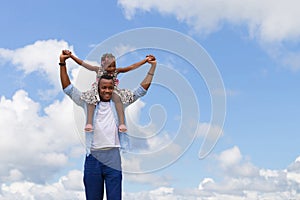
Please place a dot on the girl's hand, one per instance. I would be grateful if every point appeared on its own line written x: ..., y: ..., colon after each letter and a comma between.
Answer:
x: 150, y: 58
x: 67, y: 52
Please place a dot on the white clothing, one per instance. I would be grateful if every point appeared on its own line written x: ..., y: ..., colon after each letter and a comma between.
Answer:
x: 105, y: 129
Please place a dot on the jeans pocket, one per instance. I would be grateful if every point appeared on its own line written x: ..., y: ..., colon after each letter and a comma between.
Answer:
x: 91, y: 165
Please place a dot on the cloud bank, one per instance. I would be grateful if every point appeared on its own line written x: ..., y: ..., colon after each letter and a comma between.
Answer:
x: 41, y: 57
x: 241, y: 180
x: 274, y: 24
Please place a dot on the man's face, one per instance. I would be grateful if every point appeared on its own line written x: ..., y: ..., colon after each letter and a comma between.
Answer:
x: 106, y: 88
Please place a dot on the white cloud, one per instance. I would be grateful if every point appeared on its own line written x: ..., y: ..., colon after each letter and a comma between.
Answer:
x: 68, y: 187
x: 295, y: 166
x: 237, y: 178
x: 42, y: 57
x: 73, y: 180
x: 230, y: 157
x: 268, y: 20
x: 263, y: 184
x: 161, y: 193
x: 232, y: 162
x: 266, y: 184
x: 35, y: 147
x: 273, y: 24
x: 38, y: 143
x: 148, y: 179
x: 144, y: 144
x: 267, y: 173
x: 42, y: 145
x: 242, y: 180
x: 149, y: 137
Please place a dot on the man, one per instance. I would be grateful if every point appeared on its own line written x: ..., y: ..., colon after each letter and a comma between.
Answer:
x: 103, y: 161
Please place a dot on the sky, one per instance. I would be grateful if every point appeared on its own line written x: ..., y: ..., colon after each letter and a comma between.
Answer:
x: 220, y: 121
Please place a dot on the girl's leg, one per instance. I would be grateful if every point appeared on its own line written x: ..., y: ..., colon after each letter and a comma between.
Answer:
x: 89, y: 121
x: 120, y: 111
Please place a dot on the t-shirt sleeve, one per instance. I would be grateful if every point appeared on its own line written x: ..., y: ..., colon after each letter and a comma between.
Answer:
x: 74, y: 94
x: 138, y: 92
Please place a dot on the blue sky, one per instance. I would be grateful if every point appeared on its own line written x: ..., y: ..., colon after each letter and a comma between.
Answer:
x: 254, y: 47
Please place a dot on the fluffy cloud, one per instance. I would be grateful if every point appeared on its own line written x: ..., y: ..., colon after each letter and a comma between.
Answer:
x: 235, y: 182
x: 34, y: 147
x: 146, y: 138
x: 148, y: 179
x: 163, y: 193
x: 42, y: 57
x: 230, y: 157
x: 273, y: 24
x: 243, y: 180
x: 135, y: 165
x: 38, y: 143
x: 67, y: 187
x: 268, y: 20
x: 41, y: 146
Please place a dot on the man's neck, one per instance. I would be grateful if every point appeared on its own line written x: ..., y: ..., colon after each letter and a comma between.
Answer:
x: 104, y: 100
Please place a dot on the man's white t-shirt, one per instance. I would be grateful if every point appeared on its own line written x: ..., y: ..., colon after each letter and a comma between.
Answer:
x: 105, y: 127
x: 75, y: 95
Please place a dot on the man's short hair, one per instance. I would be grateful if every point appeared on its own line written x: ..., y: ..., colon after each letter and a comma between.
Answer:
x: 106, y: 76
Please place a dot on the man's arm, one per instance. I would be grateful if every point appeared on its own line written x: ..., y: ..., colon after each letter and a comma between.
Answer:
x: 68, y: 88
x: 64, y: 77
x: 145, y: 84
x: 149, y: 76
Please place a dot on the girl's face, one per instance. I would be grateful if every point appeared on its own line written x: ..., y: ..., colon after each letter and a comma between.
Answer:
x: 110, y: 65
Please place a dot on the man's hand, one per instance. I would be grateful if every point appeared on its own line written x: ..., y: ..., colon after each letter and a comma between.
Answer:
x: 152, y: 60
x: 65, y: 54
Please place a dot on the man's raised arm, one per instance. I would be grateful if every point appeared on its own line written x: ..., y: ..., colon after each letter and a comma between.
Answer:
x: 64, y: 77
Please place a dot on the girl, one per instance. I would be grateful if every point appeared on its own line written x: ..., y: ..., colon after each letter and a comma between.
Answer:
x: 120, y: 96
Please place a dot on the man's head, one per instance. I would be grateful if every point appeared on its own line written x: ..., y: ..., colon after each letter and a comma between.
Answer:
x: 105, y: 87
x: 108, y: 62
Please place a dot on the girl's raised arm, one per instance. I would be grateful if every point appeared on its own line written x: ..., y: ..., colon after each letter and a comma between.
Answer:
x: 135, y: 65
x: 82, y: 63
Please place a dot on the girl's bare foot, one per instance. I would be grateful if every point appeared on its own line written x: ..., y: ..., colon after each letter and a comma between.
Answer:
x: 122, y: 128
x: 88, y: 128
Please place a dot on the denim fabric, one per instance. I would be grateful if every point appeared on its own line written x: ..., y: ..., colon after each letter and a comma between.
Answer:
x: 124, y: 142
x: 96, y: 173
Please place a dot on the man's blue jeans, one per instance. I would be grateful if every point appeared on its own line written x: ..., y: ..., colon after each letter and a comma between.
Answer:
x: 103, y: 166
